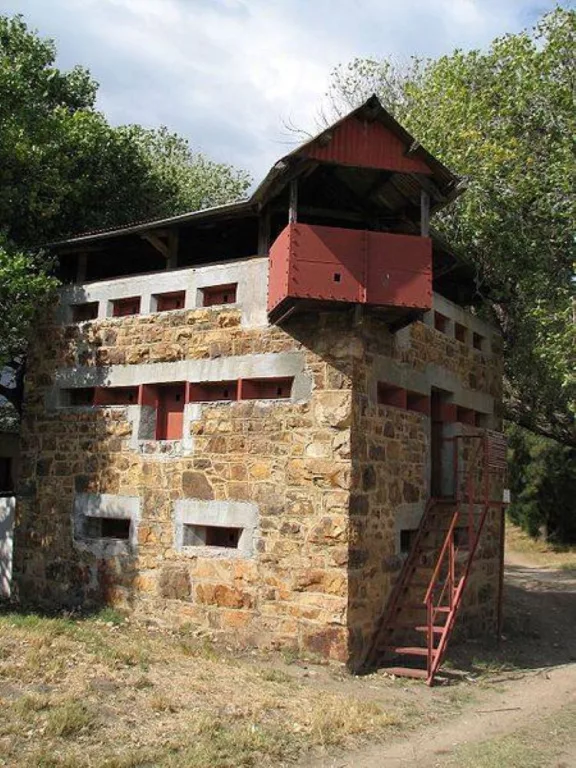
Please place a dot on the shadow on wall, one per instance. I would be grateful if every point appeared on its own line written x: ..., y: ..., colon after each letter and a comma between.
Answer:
x: 68, y: 450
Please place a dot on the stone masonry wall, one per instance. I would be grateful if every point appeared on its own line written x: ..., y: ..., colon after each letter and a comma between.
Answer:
x: 329, y: 474
x: 291, y: 459
x: 391, y: 477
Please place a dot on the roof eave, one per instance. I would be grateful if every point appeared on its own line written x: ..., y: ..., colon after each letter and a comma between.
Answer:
x: 242, y: 206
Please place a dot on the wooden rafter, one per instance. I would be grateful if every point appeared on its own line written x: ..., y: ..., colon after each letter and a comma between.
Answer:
x: 158, y: 243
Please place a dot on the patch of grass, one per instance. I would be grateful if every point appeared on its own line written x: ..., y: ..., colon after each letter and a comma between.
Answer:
x: 161, y: 703
x: 527, y: 748
x: 337, y: 720
x: 507, y: 751
x: 541, y: 552
x: 109, y: 616
x: 30, y: 704
x: 488, y: 666
x: 202, y: 648
x: 220, y: 744
x: 275, y: 676
x: 46, y: 758
x: 69, y: 718
x: 46, y: 626
x: 196, y: 703
x: 290, y: 655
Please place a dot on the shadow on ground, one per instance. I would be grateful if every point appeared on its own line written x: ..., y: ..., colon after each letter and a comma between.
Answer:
x: 539, y: 624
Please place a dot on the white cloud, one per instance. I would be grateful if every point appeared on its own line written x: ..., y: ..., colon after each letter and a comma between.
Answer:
x: 229, y: 74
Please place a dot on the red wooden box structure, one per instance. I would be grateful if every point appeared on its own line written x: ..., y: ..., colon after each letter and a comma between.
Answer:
x: 333, y: 264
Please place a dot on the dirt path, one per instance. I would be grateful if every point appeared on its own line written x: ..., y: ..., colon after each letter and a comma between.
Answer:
x: 517, y: 704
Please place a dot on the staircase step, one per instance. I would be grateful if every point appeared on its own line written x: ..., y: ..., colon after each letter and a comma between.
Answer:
x: 410, y: 650
x: 422, y: 606
x: 437, y: 629
x: 406, y: 672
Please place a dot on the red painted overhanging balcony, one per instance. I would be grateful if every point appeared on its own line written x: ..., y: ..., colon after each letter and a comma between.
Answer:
x: 315, y: 266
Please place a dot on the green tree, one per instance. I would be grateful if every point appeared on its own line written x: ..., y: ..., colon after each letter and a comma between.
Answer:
x: 64, y: 169
x: 542, y: 486
x: 504, y: 119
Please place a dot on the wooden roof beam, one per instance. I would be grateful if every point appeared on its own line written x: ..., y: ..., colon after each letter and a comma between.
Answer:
x: 156, y: 242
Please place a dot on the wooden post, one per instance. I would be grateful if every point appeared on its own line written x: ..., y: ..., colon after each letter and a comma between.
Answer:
x: 81, y: 268
x: 172, y: 260
x: 424, y: 213
x: 293, y: 209
x: 264, y: 232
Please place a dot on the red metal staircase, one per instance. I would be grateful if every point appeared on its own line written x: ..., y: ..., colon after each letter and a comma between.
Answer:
x: 420, y: 615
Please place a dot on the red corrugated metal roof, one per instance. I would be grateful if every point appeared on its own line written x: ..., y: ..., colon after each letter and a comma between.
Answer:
x: 366, y: 144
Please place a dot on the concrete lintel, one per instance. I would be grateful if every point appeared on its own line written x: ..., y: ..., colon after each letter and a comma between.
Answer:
x: 400, y: 375
x: 457, y: 314
x: 228, y: 514
x: 218, y: 369
x: 108, y: 505
x: 406, y: 517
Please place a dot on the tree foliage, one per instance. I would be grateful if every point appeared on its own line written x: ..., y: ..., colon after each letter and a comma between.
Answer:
x: 64, y: 169
x: 542, y: 486
x: 504, y: 119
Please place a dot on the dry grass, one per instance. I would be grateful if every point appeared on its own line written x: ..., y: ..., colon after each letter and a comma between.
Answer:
x: 103, y: 693
x: 539, y: 552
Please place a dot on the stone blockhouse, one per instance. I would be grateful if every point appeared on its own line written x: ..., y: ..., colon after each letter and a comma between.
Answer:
x: 235, y: 418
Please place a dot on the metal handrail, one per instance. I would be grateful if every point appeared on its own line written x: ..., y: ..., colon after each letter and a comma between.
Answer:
x: 434, y: 655
x: 400, y: 581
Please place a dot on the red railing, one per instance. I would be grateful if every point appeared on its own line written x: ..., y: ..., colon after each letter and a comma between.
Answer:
x: 475, y: 467
x: 394, y: 601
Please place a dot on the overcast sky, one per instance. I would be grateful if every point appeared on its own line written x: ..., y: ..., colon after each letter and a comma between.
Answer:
x: 230, y: 74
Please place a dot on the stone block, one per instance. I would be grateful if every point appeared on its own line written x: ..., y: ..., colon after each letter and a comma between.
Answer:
x: 223, y: 596
x: 195, y: 485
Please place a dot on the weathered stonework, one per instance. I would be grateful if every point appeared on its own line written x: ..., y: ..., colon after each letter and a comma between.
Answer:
x: 330, y: 474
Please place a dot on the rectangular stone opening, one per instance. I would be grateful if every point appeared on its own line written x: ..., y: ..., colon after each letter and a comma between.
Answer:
x: 460, y: 332
x: 106, y: 528
x: 440, y: 322
x: 86, y: 311
x: 209, y: 391
x: 6, y: 484
x: 407, y: 536
x: 211, y: 536
x: 116, y: 396
x: 478, y: 341
x: 481, y: 420
x: 266, y: 389
x: 215, y: 295
x: 418, y: 402
x: 166, y: 302
x: 83, y: 396
x: 388, y: 394
x: 125, y: 307
x: 466, y: 416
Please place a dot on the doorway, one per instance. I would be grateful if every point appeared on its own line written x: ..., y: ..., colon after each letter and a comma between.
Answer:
x: 440, y: 410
